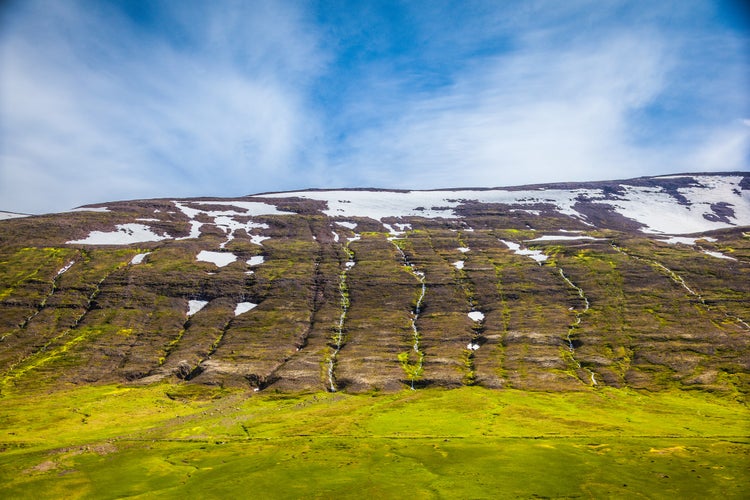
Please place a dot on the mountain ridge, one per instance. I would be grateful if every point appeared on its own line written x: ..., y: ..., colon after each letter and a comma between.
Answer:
x: 533, y: 288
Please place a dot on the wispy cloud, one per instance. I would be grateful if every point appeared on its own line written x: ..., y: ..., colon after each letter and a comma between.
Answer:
x: 567, y: 103
x: 114, y: 100
x: 94, y: 110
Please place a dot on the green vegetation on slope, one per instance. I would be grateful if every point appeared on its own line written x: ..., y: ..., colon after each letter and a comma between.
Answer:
x: 177, y: 440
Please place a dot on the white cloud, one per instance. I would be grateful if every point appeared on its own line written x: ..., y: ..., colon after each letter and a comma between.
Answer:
x: 543, y: 114
x: 91, y: 115
x: 230, y: 98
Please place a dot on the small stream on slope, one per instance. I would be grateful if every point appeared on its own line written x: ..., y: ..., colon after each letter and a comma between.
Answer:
x: 44, y: 301
x: 338, y: 338
x: 676, y: 278
x: 577, y: 323
x: 14, y: 368
x: 416, y: 370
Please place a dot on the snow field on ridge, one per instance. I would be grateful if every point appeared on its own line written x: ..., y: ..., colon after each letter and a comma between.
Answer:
x: 653, y: 207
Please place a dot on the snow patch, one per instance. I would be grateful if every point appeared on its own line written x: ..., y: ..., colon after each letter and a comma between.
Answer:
x: 459, y: 264
x: 65, y: 267
x: 346, y: 224
x: 255, y: 260
x: 393, y: 232
x: 537, y: 255
x: 552, y: 237
x: 124, y: 234
x: 476, y: 316
x: 472, y: 346
x: 684, y: 240
x: 463, y: 249
x: 221, y: 259
x: 258, y: 240
x: 11, y: 215
x: 195, y: 230
x: 718, y: 255
x: 195, y: 305
x: 137, y: 259
x: 243, y: 307
x: 89, y: 209
x: 251, y: 208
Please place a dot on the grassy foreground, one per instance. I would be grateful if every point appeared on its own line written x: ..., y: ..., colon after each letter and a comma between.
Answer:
x: 174, y: 441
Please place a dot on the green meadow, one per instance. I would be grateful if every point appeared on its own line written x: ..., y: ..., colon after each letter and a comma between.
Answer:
x: 176, y: 441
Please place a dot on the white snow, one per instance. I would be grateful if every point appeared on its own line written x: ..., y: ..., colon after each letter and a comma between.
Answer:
x: 243, y: 307
x: 11, y: 215
x: 718, y: 255
x: 459, y: 264
x: 195, y: 230
x: 137, y: 259
x: 224, y: 219
x: 195, y: 305
x: 463, y: 249
x: 684, y: 240
x: 335, y: 236
x: 255, y: 260
x: 537, y: 255
x: 257, y: 239
x: 89, y: 209
x: 124, y: 234
x: 221, y: 259
x: 472, y: 346
x: 553, y: 237
x: 393, y: 232
x: 660, y: 212
x: 191, y: 213
x: 66, y: 267
x: 251, y: 208
x: 653, y: 207
x: 349, y: 264
x: 148, y: 220
x: 476, y: 316
x: 527, y: 211
x: 356, y: 237
x: 346, y: 224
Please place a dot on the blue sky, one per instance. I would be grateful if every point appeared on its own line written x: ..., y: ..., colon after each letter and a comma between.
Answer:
x: 103, y: 101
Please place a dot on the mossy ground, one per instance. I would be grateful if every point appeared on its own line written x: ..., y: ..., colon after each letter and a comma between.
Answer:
x: 177, y: 440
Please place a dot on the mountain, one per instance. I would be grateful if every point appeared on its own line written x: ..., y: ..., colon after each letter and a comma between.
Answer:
x: 641, y: 283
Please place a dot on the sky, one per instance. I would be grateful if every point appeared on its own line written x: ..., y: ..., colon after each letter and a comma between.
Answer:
x: 129, y: 99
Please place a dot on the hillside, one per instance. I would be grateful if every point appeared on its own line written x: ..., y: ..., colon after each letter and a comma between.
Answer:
x: 637, y: 284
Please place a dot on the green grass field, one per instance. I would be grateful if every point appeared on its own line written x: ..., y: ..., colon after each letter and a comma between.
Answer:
x: 185, y: 440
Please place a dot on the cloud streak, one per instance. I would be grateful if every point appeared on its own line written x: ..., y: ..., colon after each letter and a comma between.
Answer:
x: 117, y: 100
x: 92, y: 112
x: 599, y: 105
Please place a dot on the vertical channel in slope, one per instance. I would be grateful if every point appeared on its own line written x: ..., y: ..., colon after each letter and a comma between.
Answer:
x: 412, y: 370
x: 679, y: 280
x: 339, y: 334
x: 576, y: 324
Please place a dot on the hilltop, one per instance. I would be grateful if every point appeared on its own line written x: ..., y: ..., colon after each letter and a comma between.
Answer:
x: 640, y: 283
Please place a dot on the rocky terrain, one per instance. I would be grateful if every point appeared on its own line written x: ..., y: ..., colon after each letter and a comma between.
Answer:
x: 641, y: 283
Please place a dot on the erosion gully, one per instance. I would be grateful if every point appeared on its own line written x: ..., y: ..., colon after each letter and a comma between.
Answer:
x: 420, y: 277
x: 676, y: 278
x: 576, y: 324
x: 339, y: 337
